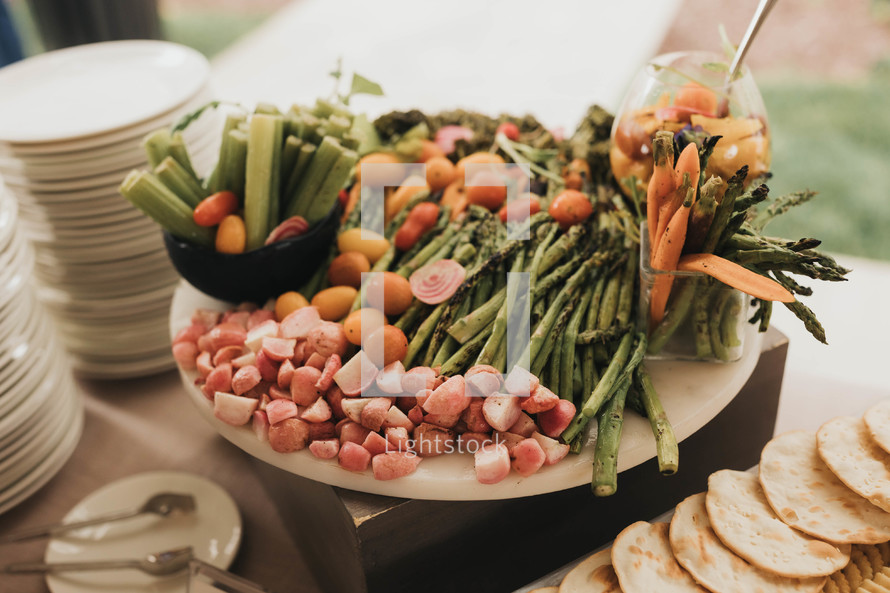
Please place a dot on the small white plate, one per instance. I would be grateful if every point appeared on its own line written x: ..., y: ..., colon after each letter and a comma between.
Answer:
x: 213, y: 530
x: 106, y: 86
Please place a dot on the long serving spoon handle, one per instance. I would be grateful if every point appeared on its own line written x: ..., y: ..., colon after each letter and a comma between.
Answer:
x: 44, y: 530
x: 763, y: 10
x: 41, y: 567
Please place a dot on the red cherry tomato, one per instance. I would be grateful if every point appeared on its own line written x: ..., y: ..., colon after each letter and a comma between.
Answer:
x: 212, y: 209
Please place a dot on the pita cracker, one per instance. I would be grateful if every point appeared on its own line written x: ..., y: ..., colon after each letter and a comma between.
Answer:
x: 716, y: 567
x: 545, y: 590
x: 806, y: 495
x: 877, y: 420
x: 593, y: 575
x: 743, y: 520
x: 644, y: 563
x: 847, y: 448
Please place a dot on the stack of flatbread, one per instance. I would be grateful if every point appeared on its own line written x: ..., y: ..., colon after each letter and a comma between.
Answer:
x: 817, y: 518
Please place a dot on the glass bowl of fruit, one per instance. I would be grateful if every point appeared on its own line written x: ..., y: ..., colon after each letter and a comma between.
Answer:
x: 688, y: 94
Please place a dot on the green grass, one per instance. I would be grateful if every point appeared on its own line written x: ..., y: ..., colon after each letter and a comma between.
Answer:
x: 833, y: 138
x: 209, y: 32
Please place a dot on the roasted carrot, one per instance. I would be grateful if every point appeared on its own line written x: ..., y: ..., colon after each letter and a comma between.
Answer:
x: 670, y: 206
x: 666, y: 256
x: 661, y: 184
x: 688, y: 162
x: 736, y: 276
x: 355, y: 194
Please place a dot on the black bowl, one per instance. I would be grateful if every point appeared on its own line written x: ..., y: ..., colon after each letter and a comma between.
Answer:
x: 256, y: 275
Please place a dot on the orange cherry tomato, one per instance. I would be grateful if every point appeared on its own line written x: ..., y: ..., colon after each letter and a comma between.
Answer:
x: 488, y: 190
x: 212, y: 209
x: 570, y: 207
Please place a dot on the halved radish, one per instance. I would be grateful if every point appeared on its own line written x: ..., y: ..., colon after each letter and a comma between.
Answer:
x: 437, y: 282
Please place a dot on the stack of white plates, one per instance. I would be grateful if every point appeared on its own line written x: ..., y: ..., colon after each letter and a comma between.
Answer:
x: 71, y: 126
x: 40, y: 410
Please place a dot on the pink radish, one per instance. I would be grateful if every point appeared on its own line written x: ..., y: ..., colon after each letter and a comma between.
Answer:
x: 520, y: 382
x: 280, y: 409
x: 299, y: 323
x: 320, y: 411
x: 328, y: 338
x: 389, y: 380
x: 245, y: 379
x: 325, y: 449
x: 394, y: 464
x: 186, y: 355
x: 501, y: 411
x: 356, y: 375
x: 261, y: 426
x: 254, y: 339
x: 278, y: 349
x: 528, y: 457
x: 285, y: 374
x: 449, y: 398
x: 289, y: 435
x: 555, y: 420
x: 446, y: 136
x: 492, y: 463
x: 553, y: 449
x: 354, y: 457
x: 375, y: 444
x: 321, y: 431
x: 331, y: 366
x: 233, y: 409
x: 541, y: 400
x: 302, y: 387
x: 431, y: 440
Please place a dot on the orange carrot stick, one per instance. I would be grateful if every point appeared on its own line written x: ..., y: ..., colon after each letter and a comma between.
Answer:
x: 670, y: 206
x: 734, y: 275
x: 661, y: 184
x: 666, y: 256
x: 688, y: 162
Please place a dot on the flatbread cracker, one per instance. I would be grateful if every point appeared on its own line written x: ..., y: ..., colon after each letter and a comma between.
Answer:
x: 806, y: 495
x: 847, y: 448
x: 743, y: 520
x: 593, y: 575
x: 877, y: 420
x: 644, y: 563
x: 716, y: 567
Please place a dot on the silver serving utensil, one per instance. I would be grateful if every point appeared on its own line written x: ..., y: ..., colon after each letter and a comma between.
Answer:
x: 156, y: 564
x: 163, y: 504
x: 763, y: 10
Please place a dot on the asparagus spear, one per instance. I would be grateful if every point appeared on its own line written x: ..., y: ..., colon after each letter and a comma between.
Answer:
x: 568, y: 347
x: 666, y: 446
x: 610, y: 421
x: 724, y: 210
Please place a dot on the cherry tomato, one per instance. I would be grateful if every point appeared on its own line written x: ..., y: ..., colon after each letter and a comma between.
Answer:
x: 570, y: 207
x: 212, y: 209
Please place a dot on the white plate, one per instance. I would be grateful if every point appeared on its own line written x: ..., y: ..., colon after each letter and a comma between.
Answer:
x: 93, y: 89
x: 213, y: 530
x: 48, y: 434
x: 692, y: 394
x: 50, y: 383
x: 101, y: 142
x: 47, y: 468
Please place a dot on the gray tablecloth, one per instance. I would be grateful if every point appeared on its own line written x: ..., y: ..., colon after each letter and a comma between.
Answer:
x: 146, y: 425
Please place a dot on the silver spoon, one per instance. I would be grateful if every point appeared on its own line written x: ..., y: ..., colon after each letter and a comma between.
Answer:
x: 163, y: 504
x: 763, y: 10
x: 156, y: 564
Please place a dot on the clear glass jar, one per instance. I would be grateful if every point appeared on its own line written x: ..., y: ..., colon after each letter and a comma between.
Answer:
x: 687, y: 93
x: 704, y: 318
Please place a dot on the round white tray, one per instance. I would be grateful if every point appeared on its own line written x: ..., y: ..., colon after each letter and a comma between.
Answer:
x: 692, y: 393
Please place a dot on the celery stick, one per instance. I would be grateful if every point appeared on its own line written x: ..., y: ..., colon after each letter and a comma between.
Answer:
x: 351, y: 142
x: 289, y: 155
x: 220, y: 177
x: 323, y: 109
x: 179, y: 152
x: 310, y: 125
x: 303, y: 160
x: 333, y: 182
x: 324, y: 158
x: 267, y: 109
x: 233, y: 167
x: 156, y: 146
x: 338, y: 126
x: 262, y: 177
x: 148, y: 194
x: 180, y: 182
